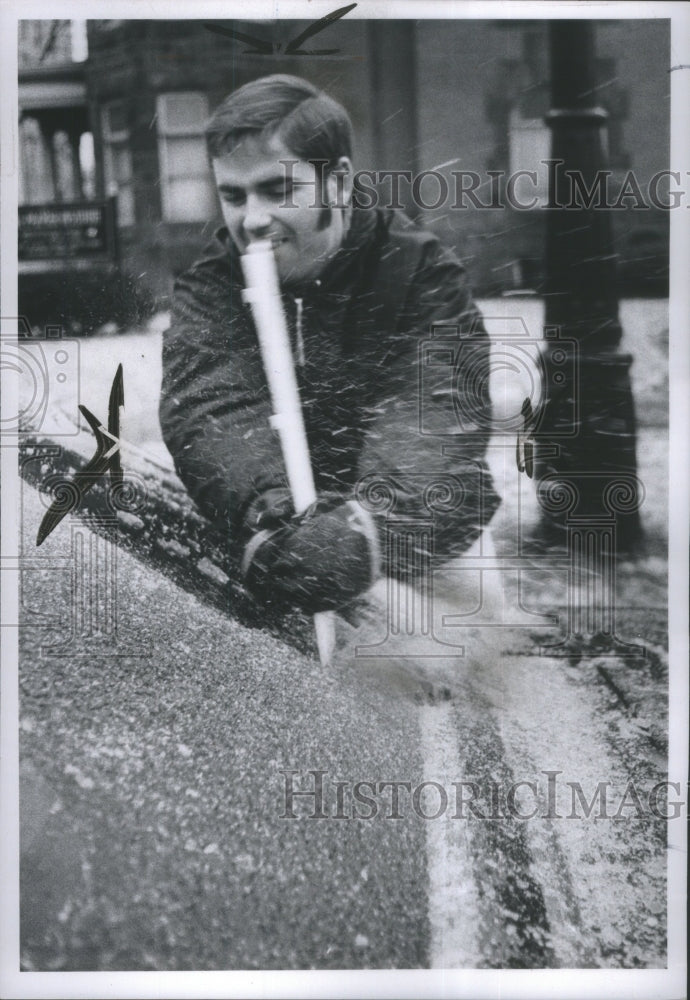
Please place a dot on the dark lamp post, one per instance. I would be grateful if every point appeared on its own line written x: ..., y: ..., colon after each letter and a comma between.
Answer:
x: 585, y: 434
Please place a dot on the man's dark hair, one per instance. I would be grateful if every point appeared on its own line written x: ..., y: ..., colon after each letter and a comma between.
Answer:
x: 309, y: 123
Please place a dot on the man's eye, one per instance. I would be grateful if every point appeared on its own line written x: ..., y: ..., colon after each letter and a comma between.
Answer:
x: 280, y: 192
x: 233, y: 197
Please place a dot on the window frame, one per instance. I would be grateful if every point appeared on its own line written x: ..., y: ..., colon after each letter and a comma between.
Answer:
x: 167, y: 132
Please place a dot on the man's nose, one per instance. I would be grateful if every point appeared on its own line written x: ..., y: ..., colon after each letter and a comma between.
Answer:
x: 257, y: 218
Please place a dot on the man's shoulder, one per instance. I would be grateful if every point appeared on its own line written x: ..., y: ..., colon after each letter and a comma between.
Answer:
x: 392, y: 225
x: 409, y: 248
x: 400, y: 230
x: 215, y: 265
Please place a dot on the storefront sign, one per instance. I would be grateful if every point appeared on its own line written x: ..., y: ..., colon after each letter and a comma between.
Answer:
x: 72, y: 231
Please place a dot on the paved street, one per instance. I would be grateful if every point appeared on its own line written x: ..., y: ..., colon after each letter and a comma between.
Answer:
x: 153, y: 752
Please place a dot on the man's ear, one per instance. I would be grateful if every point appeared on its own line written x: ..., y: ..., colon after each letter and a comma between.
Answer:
x: 339, y: 183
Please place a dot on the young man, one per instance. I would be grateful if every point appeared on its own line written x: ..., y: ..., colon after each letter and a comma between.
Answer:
x: 362, y: 289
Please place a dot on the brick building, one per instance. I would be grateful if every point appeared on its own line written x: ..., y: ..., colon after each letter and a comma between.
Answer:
x: 427, y: 95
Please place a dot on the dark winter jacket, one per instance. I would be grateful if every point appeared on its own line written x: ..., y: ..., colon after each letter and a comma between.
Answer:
x: 396, y: 409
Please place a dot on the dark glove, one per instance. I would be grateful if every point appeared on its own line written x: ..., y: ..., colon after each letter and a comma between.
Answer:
x: 318, y: 560
x: 270, y: 510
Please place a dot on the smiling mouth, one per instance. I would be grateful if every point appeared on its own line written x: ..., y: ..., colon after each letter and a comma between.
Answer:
x: 275, y: 241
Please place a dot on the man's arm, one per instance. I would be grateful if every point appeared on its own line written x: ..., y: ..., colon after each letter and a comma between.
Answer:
x: 215, y: 406
x: 427, y: 443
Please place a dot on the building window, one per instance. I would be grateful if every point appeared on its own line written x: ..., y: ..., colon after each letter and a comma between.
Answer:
x: 87, y: 163
x: 187, y: 188
x: 44, y: 43
x: 35, y: 173
x: 79, y: 41
x: 117, y: 160
x: 66, y: 167
x: 529, y: 144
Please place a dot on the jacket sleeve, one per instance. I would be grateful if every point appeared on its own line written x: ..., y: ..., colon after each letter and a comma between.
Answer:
x: 215, y: 407
x: 423, y: 461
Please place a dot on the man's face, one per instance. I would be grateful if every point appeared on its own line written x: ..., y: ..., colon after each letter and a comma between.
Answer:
x: 262, y: 198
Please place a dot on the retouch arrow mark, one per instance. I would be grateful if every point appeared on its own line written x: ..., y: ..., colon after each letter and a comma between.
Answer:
x: 260, y: 47
x: 106, y: 459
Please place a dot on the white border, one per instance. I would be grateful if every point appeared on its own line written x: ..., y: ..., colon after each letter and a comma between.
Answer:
x: 9, y: 514
x: 575, y: 984
x: 679, y: 496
